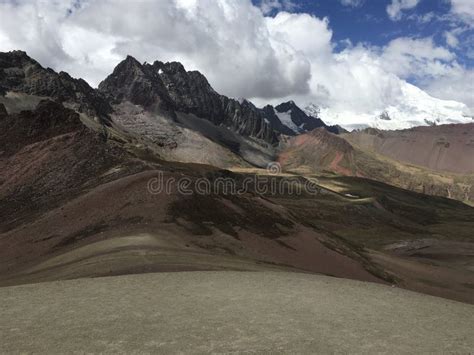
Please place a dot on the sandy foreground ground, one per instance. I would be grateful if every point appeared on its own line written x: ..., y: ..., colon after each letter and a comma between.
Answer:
x: 222, y: 312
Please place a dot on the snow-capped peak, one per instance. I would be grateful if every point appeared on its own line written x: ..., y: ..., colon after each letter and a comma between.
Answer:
x: 414, y: 107
x: 312, y: 110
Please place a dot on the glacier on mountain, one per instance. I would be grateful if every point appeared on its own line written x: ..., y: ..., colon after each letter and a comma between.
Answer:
x: 414, y: 107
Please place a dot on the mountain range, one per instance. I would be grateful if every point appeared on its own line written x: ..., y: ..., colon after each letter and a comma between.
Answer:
x: 391, y: 207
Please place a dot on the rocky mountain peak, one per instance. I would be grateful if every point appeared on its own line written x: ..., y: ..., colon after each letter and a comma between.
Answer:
x: 129, y: 67
x: 169, y: 67
x: 271, y: 116
x: 288, y: 106
x: 15, y: 59
x: 137, y: 83
x: 131, y: 60
x: 20, y: 73
x: 297, y: 119
x: 181, y: 82
x: 15, y: 67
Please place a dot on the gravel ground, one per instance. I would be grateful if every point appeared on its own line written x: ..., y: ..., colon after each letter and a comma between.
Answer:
x: 222, y: 312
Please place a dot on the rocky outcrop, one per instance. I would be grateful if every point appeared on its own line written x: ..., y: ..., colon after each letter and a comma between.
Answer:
x: 170, y: 87
x: 190, y: 91
x: 247, y: 120
x: 3, y: 111
x: 20, y: 73
x: 48, y: 120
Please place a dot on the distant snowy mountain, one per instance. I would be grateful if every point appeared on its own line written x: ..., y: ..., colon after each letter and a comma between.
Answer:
x: 413, y: 108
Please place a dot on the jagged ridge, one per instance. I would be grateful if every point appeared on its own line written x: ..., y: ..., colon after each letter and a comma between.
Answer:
x: 20, y: 73
x: 168, y: 86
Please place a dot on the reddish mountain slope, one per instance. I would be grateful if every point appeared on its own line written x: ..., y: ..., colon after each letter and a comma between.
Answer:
x: 440, y: 148
x: 320, y: 151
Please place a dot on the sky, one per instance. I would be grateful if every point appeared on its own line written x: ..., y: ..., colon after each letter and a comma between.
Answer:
x: 356, y: 55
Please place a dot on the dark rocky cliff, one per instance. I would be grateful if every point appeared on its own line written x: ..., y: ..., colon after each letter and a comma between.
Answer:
x: 170, y: 87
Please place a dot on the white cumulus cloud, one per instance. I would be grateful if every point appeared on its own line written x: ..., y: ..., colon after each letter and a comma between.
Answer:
x: 463, y: 9
x: 242, y: 52
x: 395, y: 9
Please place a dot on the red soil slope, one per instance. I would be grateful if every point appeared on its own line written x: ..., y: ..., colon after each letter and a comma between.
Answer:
x: 440, y: 148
